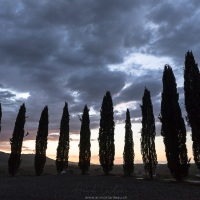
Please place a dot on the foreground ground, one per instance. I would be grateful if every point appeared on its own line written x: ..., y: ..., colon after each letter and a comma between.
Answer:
x: 27, y: 186
x: 73, y: 186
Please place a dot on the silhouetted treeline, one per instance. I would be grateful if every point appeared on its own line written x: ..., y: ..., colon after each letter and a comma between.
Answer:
x: 173, y: 131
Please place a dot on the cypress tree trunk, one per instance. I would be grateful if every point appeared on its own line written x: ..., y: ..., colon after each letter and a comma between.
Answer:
x: 173, y: 127
x: 128, y: 154
x: 148, y: 135
x: 192, y: 102
x: 106, y: 134
x: 41, y: 142
x: 84, y: 145
x: 63, y: 145
x: 16, y: 142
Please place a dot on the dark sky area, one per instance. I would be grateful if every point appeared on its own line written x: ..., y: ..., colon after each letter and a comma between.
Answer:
x: 76, y: 50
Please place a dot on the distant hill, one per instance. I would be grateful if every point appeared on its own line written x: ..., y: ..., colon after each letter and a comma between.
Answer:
x: 27, y: 159
x: 27, y: 167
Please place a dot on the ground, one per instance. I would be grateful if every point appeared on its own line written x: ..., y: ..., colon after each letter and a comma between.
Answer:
x: 26, y: 186
x: 73, y: 186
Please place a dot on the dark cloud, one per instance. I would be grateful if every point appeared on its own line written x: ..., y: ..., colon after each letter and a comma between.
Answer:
x: 135, y: 91
x: 93, y: 85
x: 176, y: 29
x: 42, y: 32
x: 59, y: 51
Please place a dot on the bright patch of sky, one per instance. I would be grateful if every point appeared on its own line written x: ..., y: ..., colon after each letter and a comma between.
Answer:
x: 24, y: 95
x: 54, y: 134
x: 92, y: 111
x: 16, y: 95
x: 123, y: 106
x: 138, y: 63
x: 76, y: 95
x: 75, y: 136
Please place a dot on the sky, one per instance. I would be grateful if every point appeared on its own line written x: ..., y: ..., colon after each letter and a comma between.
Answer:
x: 52, y: 52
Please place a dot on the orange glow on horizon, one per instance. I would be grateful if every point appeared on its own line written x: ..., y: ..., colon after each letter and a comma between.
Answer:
x: 29, y: 146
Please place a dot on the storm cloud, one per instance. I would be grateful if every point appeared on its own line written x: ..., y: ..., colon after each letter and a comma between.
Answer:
x: 53, y: 52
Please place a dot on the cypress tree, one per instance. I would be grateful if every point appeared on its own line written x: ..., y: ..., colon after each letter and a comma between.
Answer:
x: 192, y: 102
x: 0, y: 116
x: 106, y: 134
x: 84, y: 145
x: 128, y: 154
x: 63, y: 145
x: 173, y: 127
x: 148, y: 133
x: 41, y: 142
x: 16, y: 142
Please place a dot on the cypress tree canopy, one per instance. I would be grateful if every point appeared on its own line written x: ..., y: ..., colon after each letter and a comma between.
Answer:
x: 173, y: 127
x: 84, y: 146
x: 0, y: 116
x: 106, y: 134
x: 41, y: 142
x: 63, y: 145
x: 148, y: 135
x: 128, y: 154
x: 192, y: 102
x: 16, y: 142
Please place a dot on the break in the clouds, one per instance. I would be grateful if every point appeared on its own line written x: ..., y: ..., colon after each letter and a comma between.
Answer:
x: 74, y: 51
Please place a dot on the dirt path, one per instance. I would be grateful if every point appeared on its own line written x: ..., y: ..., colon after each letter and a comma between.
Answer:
x: 93, y: 187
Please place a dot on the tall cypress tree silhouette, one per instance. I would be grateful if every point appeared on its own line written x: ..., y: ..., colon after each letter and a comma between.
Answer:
x: 41, y: 142
x: 173, y: 127
x: 84, y: 145
x: 192, y: 102
x: 16, y: 142
x: 63, y: 145
x: 148, y: 135
x: 106, y: 134
x: 0, y: 116
x: 128, y: 154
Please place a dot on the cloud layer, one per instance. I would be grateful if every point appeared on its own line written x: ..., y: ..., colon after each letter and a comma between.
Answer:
x: 74, y: 51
